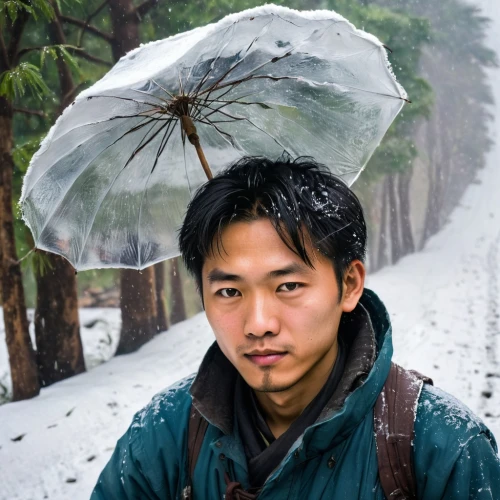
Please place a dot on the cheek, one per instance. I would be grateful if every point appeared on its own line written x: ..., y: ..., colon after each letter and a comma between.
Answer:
x: 314, y: 324
x: 226, y: 328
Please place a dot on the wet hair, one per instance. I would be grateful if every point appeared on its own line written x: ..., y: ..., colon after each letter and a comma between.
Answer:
x: 301, y: 198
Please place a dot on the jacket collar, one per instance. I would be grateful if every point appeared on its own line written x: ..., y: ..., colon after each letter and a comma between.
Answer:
x: 364, y: 330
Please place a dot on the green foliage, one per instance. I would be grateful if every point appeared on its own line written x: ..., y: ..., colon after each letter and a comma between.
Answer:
x: 55, y: 51
x: 14, y: 82
x: 37, y: 262
x: 33, y: 7
x: 22, y: 154
x: 411, y: 28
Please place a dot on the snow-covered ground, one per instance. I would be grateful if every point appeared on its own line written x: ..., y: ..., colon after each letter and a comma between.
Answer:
x: 55, y: 445
x: 445, y: 307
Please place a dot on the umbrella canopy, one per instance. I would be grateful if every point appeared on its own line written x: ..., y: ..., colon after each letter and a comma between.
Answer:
x: 111, y: 182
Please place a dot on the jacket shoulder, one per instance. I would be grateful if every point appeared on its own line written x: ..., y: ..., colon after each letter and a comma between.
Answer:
x: 148, y: 459
x: 441, y: 418
x: 168, y: 407
x: 453, y: 449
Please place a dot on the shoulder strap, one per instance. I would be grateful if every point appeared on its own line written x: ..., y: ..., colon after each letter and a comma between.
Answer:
x: 394, y: 419
x: 197, y: 427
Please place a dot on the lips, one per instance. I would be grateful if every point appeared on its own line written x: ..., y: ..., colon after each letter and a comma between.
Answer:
x: 266, y: 357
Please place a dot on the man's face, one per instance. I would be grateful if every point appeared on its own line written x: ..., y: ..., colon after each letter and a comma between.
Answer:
x: 274, y: 318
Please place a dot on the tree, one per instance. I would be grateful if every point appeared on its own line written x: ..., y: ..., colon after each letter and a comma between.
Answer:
x: 57, y: 325
x: 139, y: 324
x: 178, y: 312
x: 15, y: 78
x: 139, y: 306
x: 161, y: 310
x: 454, y: 140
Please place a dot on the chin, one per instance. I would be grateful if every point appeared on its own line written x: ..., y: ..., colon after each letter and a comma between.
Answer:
x: 268, y: 382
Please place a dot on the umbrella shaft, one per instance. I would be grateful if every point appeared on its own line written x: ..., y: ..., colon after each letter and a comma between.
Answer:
x: 194, y: 139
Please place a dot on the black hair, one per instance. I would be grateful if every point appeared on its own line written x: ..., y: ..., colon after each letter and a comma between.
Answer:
x: 303, y: 200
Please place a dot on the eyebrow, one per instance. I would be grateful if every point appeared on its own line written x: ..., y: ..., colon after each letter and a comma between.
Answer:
x: 217, y: 275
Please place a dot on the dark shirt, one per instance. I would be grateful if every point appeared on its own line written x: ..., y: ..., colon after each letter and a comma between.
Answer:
x: 263, y: 451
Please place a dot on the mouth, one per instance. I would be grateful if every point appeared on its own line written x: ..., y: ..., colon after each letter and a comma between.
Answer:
x: 266, y: 357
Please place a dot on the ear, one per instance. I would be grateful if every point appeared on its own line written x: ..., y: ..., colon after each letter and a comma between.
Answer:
x: 353, y: 285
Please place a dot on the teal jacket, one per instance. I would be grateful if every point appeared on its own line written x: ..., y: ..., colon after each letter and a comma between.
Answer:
x: 455, y: 455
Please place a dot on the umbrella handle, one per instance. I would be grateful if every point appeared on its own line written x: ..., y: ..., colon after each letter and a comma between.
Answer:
x: 190, y: 129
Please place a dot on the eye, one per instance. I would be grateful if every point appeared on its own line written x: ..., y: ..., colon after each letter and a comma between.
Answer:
x: 289, y: 287
x: 228, y: 292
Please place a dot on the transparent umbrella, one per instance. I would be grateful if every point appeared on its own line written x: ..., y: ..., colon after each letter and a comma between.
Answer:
x: 111, y: 182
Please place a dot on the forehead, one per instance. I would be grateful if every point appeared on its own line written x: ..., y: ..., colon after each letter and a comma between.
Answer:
x: 253, y: 248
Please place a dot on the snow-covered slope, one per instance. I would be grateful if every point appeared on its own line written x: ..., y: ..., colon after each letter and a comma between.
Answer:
x: 445, y: 307
x: 444, y: 304
x: 55, y: 445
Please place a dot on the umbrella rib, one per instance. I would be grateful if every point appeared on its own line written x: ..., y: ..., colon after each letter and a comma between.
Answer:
x: 163, y: 143
x: 266, y: 133
x: 262, y: 32
x: 141, y: 146
x: 83, y: 170
x: 202, y: 103
x: 358, y: 89
x: 232, y: 68
x: 186, y: 171
x: 163, y: 100
x: 253, y: 77
x: 224, y: 103
x: 164, y: 90
x: 107, y: 120
x: 314, y: 136
x: 144, y: 193
x: 123, y: 99
x: 232, y: 141
x: 206, y: 102
x: 103, y: 198
x: 217, y: 57
x: 218, y: 110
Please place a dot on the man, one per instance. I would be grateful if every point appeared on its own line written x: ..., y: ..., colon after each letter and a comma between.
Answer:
x: 302, y: 353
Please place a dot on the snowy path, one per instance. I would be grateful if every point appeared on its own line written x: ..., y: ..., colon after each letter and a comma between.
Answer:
x: 55, y: 445
x: 445, y: 308
x: 444, y: 304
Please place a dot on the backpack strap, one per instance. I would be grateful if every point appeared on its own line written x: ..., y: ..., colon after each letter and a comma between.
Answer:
x: 197, y: 427
x: 394, y: 418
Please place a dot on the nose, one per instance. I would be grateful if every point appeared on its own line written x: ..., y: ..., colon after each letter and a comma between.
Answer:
x: 261, y: 317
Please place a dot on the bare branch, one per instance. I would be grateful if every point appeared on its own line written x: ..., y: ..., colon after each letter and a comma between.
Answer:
x: 70, y: 96
x: 89, y: 18
x: 88, y: 27
x: 15, y: 37
x: 26, y: 50
x: 77, y: 51
x: 5, y: 58
x: 32, y: 112
x: 142, y: 9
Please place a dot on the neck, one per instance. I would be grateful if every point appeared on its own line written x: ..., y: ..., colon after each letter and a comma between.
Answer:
x: 282, y: 408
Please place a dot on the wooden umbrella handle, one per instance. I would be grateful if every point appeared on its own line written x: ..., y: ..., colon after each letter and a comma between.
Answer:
x: 190, y: 129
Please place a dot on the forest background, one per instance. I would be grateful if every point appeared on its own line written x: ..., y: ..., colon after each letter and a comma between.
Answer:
x: 52, y: 50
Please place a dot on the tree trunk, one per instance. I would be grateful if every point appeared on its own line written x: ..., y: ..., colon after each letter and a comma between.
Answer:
x: 21, y: 355
x: 382, y: 259
x: 161, y: 309
x: 139, y: 310
x: 57, y: 326
x: 178, y: 312
x: 431, y: 224
x: 393, y: 221
x: 408, y: 243
x: 138, y: 307
x: 125, y: 27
